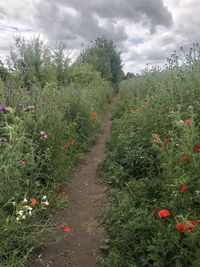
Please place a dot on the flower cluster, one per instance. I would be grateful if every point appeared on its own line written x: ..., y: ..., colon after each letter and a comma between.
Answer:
x: 24, y: 212
x: 183, y: 226
x: 28, y: 206
x: 187, y: 226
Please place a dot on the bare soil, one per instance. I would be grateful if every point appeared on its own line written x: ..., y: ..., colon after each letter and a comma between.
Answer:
x: 87, y: 196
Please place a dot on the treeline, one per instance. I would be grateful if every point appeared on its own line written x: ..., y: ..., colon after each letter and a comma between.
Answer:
x: 32, y: 63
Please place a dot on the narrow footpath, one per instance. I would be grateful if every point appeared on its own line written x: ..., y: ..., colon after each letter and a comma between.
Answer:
x: 87, y: 195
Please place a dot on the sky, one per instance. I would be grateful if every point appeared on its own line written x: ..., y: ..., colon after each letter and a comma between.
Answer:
x: 145, y: 31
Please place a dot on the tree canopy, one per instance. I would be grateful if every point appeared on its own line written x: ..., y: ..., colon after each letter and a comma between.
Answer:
x: 105, y: 58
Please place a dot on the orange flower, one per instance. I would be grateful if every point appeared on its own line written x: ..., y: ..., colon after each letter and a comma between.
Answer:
x: 185, y: 157
x: 94, y: 115
x: 33, y: 201
x: 188, y: 122
x: 164, y: 214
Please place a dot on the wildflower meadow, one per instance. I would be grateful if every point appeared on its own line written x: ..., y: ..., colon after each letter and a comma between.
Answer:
x: 152, y: 168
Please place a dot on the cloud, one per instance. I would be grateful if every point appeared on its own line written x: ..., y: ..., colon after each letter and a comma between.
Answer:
x: 80, y: 21
x: 145, y: 31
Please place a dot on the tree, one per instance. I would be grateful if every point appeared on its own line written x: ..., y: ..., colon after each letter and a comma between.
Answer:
x: 129, y: 75
x: 36, y: 63
x: 105, y: 58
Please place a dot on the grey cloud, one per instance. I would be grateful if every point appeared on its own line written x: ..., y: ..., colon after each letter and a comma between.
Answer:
x: 59, y: 25
x: 134, y: 10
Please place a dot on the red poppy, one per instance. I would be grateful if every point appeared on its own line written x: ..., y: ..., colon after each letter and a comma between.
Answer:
x: 186, y: 227
x: 184, y: 187
x: 188, y: 122
x: 155, y: 139
x: 185, y: 157
x: 94, y: 115
x: 164, y: 214
x: 33, y: 201
x: 67, y: 229
x: 197, y: 148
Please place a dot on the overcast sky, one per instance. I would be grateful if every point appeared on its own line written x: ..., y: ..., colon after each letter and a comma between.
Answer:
x: 146, y: 31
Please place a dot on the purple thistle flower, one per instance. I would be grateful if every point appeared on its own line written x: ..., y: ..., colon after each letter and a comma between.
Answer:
x: 2, y: 108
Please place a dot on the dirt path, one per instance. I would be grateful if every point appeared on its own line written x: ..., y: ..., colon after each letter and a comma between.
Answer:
x: 86, y: 195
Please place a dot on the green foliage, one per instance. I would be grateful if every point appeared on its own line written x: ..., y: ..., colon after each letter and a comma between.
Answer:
x: 105, y: 58
x: 129, y: 75
x: 82, y: 74
x: 34, y: 63
x: 4, y: 74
